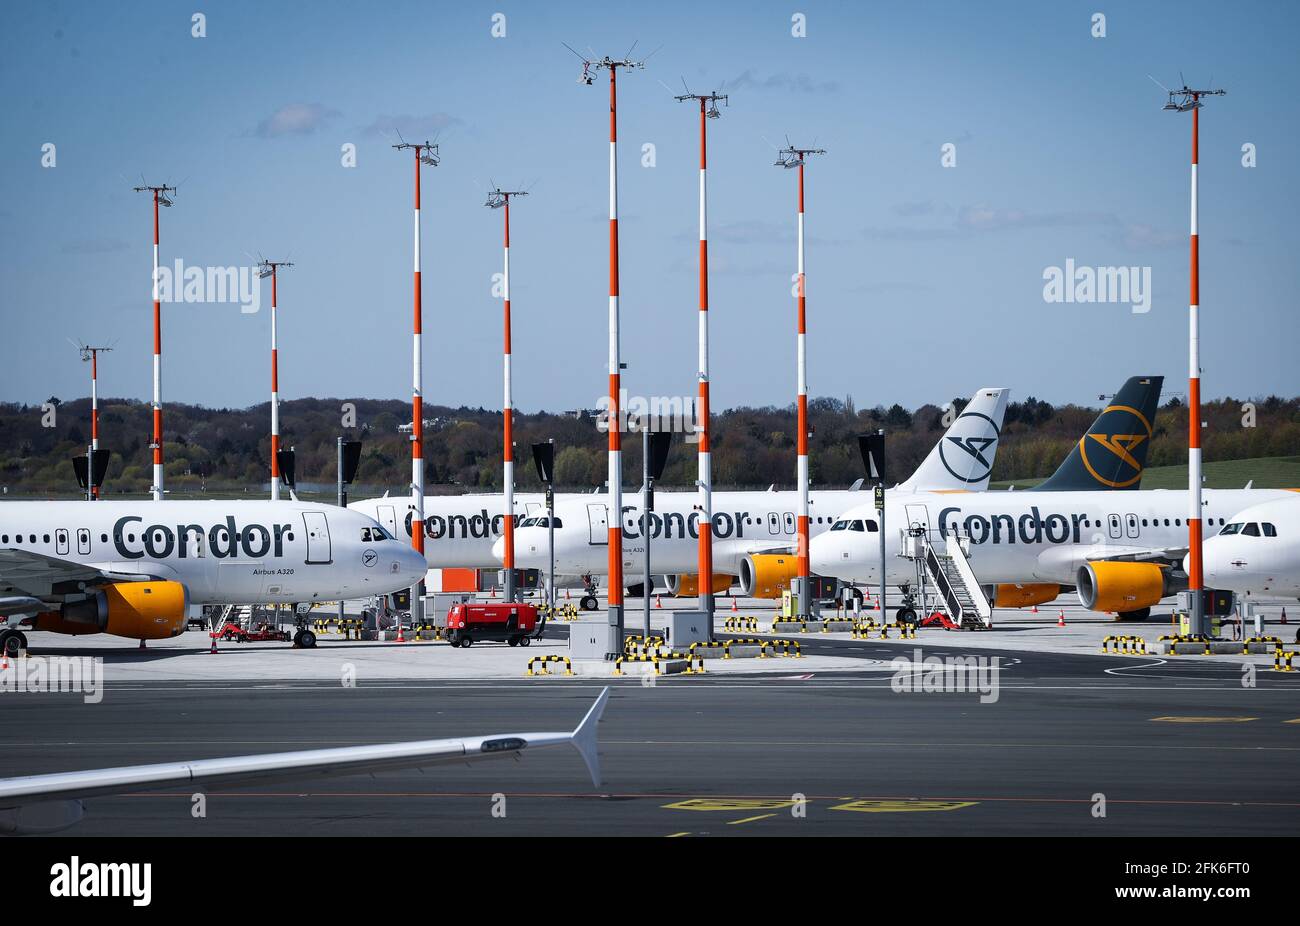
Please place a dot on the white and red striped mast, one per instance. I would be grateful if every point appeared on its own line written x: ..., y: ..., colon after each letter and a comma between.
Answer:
x: 92, y: 354
x: 1188, y: 99
x: 270, y: 268
x: 708, y: 110
x: 160, y: 198
x: 614, y: 421
x: 425, y: 154
x: 497, y: 199
x: 791, y: 157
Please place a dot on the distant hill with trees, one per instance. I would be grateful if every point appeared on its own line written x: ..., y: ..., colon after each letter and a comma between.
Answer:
x: 226, y: 451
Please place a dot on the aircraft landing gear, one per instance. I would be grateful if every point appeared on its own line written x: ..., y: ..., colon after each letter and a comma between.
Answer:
x: 303, y: 637
x: 588, y: 602
x: 12, y: 642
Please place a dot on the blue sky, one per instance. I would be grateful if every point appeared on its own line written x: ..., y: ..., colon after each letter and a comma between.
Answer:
x: 924, y: 282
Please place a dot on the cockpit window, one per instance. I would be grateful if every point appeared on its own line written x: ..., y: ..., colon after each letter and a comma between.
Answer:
x: 1250, y: 530
x: 365, y: 535
x: 375, y: 534
x: 840, y: 526
x: 1269, y: 530
x: 871, y: 526
x: 857, y: 526
x: 1233, y: 528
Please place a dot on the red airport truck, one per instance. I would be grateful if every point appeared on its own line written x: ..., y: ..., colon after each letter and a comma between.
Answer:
x: 508, y: 622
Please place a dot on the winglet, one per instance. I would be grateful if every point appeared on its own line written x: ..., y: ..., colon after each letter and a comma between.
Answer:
x: 584, y: 738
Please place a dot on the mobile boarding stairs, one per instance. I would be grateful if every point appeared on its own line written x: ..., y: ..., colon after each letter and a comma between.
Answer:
x: 946, y: 589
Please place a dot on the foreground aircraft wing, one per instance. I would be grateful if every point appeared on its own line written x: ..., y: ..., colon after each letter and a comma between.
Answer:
x: 47, y: 803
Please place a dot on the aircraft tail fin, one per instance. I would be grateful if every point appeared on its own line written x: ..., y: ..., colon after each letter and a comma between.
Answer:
x: 1113, y: 453
x: 584, y: 737
x: 963, y: 457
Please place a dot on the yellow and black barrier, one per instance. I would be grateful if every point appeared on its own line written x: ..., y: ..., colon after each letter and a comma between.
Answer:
x: 785, y: 645
x: 426, y: 627
x: 1175, y: 638
x: 657, y: 658
x: 741, y: 641
x: 1282, y: 660
x: 350, y: 626
x: 1275, y: 641
x: 777, y: 622
x: 1124, y: 643
x: 740, y: 625
x: 862, y: 629
x: 546, y: 661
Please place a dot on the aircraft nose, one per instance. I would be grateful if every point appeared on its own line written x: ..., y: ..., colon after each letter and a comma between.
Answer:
x: 499, y: 548
x: 412, y: 564
x: 820, y: 556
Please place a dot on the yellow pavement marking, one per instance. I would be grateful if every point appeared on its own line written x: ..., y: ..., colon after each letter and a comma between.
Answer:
x: 1297, y: 720
x: 762, y: 816
x: 671, y: 835
x: 902, y: 806
x: 730, y: 803
x: 1203, y: 719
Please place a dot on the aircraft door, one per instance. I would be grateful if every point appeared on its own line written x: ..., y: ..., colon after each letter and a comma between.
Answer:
x: 787, y: 522
x: 388, y: 518
x: 61, y: 541
x: 1115, y: 527
x: 598, y: 525
x: 319, y: 549
x: 773, y: 523
x: 1131, y: 526
x: 83, y: 541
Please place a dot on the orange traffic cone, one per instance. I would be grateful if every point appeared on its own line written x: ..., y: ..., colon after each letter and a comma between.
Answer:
x: 1284, y: 615
x: 1034, y: 609
x: 658, y: 602
x: 1060, y: 621
x: 214, y: 643
x: 566, y: 595
x: 401, y: 637
x: 734, y: 609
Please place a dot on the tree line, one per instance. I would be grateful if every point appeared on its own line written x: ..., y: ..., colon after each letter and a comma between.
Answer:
x: 227, y: 451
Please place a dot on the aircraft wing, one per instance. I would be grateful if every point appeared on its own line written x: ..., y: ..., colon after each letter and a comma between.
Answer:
x: 37, y: 574
x: 1065, y: 561
x: 46, y: 803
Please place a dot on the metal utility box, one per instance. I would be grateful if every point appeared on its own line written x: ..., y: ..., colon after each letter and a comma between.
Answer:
x: 438, y: 604
x: 685, y: 628
x: 594, y: 640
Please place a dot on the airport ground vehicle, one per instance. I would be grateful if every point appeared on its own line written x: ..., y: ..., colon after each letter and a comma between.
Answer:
x: 509, y: 622
x: 260, y: 634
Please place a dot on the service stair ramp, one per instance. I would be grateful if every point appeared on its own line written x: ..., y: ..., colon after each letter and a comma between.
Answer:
x: 953, y: 577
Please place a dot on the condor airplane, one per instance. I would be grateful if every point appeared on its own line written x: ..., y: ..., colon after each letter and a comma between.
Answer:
x: 1122, y: 550
x: 465, y: 530
x: 130, y: 569
x: 754, y: 532
x: 1257, y: 552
